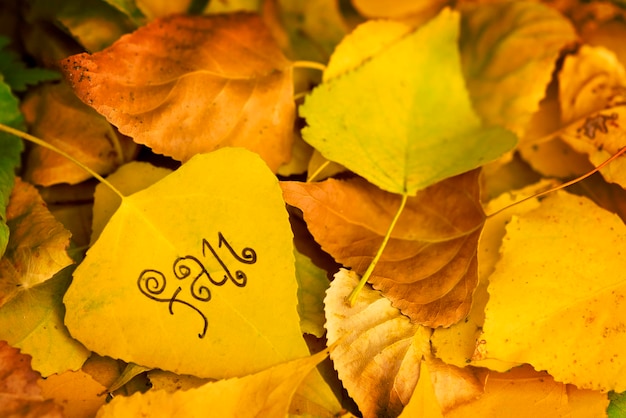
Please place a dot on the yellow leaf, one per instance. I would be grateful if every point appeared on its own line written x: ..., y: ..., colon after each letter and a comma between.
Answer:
x: 190, y: 84
x: 128, y: 179
x: 194, y: 274
x: 588, y: 82
x: 312, y: 283
x: 56, y: 115
x: 456, y: 344
x: 364, y: 42
x: 504, y: 45
x: 561, y: 306
x: 80, y: 395
x: 417, y: 11
x: 423, y: 403
x: 523, y: 393
x: 37, y: 245
x: 378, y: 350
x: 267, y: 393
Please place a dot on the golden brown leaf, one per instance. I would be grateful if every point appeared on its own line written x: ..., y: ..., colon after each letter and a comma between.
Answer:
x: 80, y: 395
x: 36, y: 248
x: 189, y: 84
x: 523, y: 392
x: 20, y: 396
x: 429, y: 268
x: 56, y: 115
x: 378, y: 350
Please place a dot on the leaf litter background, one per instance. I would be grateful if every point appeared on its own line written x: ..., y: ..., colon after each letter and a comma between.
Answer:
x: 296, y: 129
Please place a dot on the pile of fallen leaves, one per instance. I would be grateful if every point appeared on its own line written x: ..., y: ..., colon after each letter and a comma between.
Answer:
x: 312, y: 208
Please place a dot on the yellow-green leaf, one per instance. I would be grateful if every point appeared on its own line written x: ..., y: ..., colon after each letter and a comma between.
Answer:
x: 194, y: 274
x: 561, y: 306
x: 403, y: 140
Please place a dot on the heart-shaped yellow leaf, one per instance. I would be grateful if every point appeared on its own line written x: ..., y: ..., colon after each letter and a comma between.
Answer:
x: 194, y: 274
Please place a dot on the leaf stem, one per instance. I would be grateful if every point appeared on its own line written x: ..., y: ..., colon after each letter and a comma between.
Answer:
x: 351, y: 299
x: 312, y: 65
x: 317, y: 172
x: 42, y: 143
x: 562, y: 186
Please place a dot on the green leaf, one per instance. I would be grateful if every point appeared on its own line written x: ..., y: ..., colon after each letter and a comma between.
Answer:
x: 617, y: 407
x: 15, y: 73
x: 10, y: 150
x: 404, y: 120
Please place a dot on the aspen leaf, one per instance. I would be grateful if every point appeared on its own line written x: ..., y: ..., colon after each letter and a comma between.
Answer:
x: 192, y: 296
x: 267, y: 393
x: 505, y: 45
x: 378, y: 350
x: 403, y: 141
x: 423, y: 402
x: 428, y: 269
x: 56, y: 115
x: 37, y: 245
x: 563, y: 291
x: 190, y: 84
x: 523, y: 392
x: 19, y: 394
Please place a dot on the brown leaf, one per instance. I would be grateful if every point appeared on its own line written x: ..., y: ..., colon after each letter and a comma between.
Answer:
x: 37, y: 245
x: 378, y: 350
x: 59, y: 118
x: 20, y: 396
x: 429, y: 268
x: 189, y: 84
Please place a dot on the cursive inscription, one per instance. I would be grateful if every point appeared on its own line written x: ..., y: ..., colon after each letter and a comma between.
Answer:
x: 192, y: 272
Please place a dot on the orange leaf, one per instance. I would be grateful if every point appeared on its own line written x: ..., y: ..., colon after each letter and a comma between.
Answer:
x: 429, y: 268
x: 20, y: 396
x: 190, y: 84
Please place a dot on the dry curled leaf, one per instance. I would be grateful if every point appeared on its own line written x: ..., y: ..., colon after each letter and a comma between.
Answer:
x: 429, y: 268
x: 189, y: 84
x: 378, y: 350
x: 37, y: 244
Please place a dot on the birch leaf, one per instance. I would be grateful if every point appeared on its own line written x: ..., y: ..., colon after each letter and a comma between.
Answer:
x: 267, y: 393
x: 562, y: 292
x: 190, y: 84
x: 378, y: 350
x: 191, y: 297
x: 428, y: 269
x: 383, y: 140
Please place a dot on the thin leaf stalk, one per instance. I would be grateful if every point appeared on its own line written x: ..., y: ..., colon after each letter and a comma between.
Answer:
x: 317, y: 172
x: 564, y: 185
x: 351, y: 299
x: 42, y: 143
x: 311, y: 65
